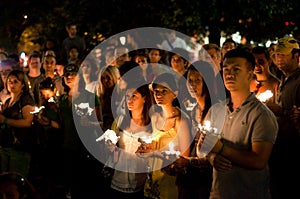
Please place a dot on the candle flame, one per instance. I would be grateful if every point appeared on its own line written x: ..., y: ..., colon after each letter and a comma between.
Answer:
x: 263, y: 97
x: 37, y: 109
x: 171, y: 147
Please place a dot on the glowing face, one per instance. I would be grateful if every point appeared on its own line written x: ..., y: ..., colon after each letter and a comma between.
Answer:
x: 47, y: 93
x: 14, y: 85
x: 4, y: 71
x: 236, y: 74
x: 283, y: 61
x: 178, y: 64
x: 261, y: 64
x: 154, y: 56
x: 194, y: 83
x: 163, y: 95
x: 49, y: 64
x: 134, y: 100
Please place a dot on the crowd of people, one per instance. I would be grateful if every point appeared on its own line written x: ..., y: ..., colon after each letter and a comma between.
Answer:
x: 54, y: 109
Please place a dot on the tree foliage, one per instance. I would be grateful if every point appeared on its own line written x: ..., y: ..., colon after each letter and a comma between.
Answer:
x: 257, y: 20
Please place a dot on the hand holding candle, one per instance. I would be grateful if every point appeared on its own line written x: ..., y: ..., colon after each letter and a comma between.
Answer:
x: 171, y: 154
x: 37, y: 110
x: 83, y: 109
x: 146, y: 145
x: 208, y: 138
x: 109, y: 136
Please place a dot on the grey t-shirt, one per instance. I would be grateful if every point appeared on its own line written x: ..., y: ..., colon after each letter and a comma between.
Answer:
x: 252, y: 122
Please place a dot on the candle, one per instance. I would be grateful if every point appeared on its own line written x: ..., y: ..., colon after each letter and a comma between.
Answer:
x: 146, y: 139
x: 171, y: 153
x: 206, y: 143
x: 263, y: 97
x: 37, y: 110
x: 206, y: 128
x: 83, y: 106
x: 109, y: 135
x: 51, y: 99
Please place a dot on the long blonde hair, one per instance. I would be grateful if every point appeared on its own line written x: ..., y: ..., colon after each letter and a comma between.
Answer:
x: 113, y: 73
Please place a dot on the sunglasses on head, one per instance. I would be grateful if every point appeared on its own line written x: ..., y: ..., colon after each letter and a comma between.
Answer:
x: 71, y: 68
x: 67, y: 74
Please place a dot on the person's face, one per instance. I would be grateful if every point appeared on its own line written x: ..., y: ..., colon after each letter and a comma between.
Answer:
x: 86, y: 67
x: 236, y: 74
x: 70, y: 79
x: 47, y: 93
x: 141, y: 61
x: 154, y: 56
x: 73, y: 53
x: 72, y: 31
x: 163, y: 95
x: 121, y: 55
x: 283, y: 61
x: 35, y: 62
x: 171, y: 36
x: 59, y: 69
x: 9, y: 191
x: 98, y: 53
x: 14, y: 85
x: 194, y: 83
x: 107, y: 81
x: 109, y: 58
x: 261, y: 64
x: 49, y: 64
x: 122, y: 83
x: 4, y: 71
x: 178, y: 64
x: 134, y: 100
x: 215, y: 56
x: 227, y: 47
x: 49, y: 44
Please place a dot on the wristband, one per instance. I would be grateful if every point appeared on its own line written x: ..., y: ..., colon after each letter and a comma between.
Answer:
x: 191, y: 160
x: 221, y: 150
x: 5, y: 120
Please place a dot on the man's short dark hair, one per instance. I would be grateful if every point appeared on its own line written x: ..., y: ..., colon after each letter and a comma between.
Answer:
x: 242, y: 53
x: 261, y: 50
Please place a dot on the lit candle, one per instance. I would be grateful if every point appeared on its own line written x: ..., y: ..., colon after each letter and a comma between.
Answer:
x: 206, y: 143
x: 171, y: 153
x: 37, y: 110
x: 51, y: 99
x: 83, y: 106
x: 147, y: 139
x: 109, y: 135
x: 206, y: 128
x: 263, y: 97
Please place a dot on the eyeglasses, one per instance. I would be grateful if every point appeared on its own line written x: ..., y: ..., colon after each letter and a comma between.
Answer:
x: 71, y: 68
x: 70, y: 74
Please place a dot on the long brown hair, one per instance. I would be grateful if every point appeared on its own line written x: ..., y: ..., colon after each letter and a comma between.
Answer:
x: 145, y: 92
x: 22, y: 77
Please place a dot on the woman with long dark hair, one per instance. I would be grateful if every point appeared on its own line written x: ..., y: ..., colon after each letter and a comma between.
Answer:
x: 16, y: 138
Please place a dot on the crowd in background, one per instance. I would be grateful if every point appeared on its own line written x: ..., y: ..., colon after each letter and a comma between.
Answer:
x: 47, y: 140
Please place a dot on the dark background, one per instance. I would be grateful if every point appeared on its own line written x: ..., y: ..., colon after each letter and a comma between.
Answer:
x: 257, y: 20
